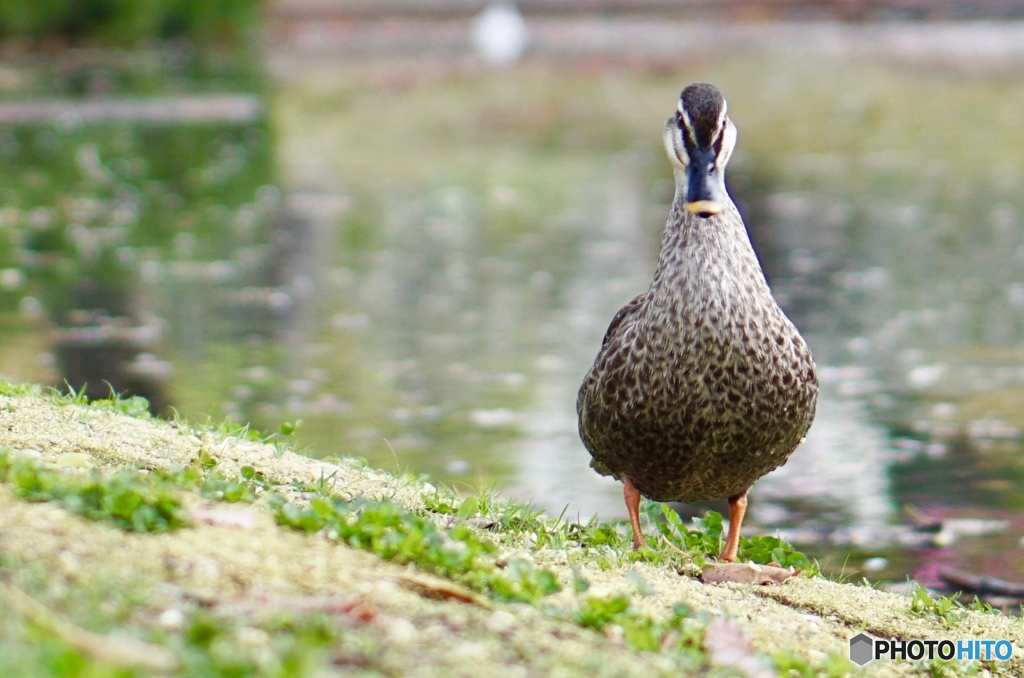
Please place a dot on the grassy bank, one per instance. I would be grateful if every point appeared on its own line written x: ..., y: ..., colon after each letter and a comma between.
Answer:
x: 134, y: 546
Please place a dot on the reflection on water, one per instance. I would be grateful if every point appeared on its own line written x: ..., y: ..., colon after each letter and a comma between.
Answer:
x: 443, y: 326
x: 612, y: 264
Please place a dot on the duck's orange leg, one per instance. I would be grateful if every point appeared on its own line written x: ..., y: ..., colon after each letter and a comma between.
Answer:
x: 633, y: 506
x: 737, y: 509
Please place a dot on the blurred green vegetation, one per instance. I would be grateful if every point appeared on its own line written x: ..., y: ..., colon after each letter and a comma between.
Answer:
x: 96, y: 202
x: 131, y: 22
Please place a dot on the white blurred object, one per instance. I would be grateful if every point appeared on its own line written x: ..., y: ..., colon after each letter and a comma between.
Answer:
x: 499, y: 34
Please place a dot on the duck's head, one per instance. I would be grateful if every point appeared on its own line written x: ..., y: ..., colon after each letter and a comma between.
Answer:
x: 699, y: 139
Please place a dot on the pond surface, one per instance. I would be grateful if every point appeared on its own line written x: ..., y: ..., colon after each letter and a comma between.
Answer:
x: 418, y: 263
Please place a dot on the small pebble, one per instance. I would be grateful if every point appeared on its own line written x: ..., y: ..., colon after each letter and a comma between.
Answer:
x: 252, y: 637
x: 469, y: 652
x: 171, y: 619
x: 458, y: 620
x: 384, y: 588
x: 501, y: 622
x: 400, y: 631
x: 75, y: 459
x: 436, y: 633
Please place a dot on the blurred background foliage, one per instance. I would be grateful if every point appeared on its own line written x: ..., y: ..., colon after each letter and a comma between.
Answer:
x: 131, y: 22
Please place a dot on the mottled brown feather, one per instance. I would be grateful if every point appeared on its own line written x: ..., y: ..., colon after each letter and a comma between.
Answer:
x: 702, y: 384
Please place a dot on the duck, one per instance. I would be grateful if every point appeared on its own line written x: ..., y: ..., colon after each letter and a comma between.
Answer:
x: 702, y: 384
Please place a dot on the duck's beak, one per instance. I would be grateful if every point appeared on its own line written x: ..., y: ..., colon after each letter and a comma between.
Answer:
x: 705, y: 194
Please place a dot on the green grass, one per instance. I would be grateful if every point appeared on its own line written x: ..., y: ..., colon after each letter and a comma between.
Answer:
x: 394, y: 534
x: 947, y: 609
x: 209, y: 645
x: 793, y: 666
x: 708, y: 539
x: 125, y: 499
x: 133, y: 500
x: 679, y: 633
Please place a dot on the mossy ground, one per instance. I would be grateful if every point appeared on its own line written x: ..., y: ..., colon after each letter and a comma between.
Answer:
x: 234, y: 592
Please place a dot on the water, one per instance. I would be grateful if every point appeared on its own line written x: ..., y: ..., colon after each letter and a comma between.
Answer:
x: 419, y: 266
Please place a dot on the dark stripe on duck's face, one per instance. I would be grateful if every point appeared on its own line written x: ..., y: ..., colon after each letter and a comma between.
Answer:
x: 719, y: 140
x: 693, y: 146
x: 687, y: 133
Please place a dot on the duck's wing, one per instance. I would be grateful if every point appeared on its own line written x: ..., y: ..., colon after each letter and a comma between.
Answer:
x: 588, y: 389
x: 631, y: 307
x: 623, y: 314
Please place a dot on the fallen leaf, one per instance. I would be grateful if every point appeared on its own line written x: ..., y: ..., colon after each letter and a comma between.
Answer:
x: 482, y: 523
x: 226, y: 516
x: 746, y: 573
x: 442, y: 589
x: 357, y: 608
